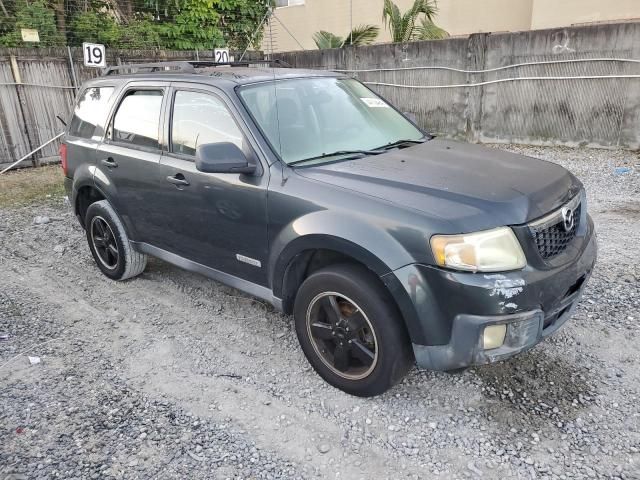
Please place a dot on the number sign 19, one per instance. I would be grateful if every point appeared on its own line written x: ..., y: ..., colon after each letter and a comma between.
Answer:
x: 94, y: 55
x: 221, y: 55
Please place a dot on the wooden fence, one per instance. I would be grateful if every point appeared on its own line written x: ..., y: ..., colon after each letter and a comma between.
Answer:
x: 36, y: 84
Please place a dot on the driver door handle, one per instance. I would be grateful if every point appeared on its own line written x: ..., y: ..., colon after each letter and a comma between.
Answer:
x: 109, y: 162
x: 178, y: 179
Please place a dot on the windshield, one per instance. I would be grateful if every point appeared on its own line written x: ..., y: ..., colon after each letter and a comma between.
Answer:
x: 318, y: 116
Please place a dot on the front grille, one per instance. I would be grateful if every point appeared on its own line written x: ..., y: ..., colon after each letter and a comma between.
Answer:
x: 551, y: 237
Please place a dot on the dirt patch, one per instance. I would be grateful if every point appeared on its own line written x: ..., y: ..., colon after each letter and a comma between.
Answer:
x: 31, y: 185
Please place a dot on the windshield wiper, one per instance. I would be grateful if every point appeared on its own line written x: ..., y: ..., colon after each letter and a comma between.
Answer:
x: 351, y: 153
x: 399, y: 143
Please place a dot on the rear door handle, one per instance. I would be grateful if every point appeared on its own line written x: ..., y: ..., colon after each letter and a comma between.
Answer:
x: 178, y: 179
x: 109, y: 162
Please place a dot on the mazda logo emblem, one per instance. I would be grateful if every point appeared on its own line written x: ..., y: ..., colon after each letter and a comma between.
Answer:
x: 567, y: 219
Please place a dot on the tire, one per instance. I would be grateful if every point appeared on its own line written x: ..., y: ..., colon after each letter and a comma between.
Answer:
x: 347, y: 305
x: 102, y: 222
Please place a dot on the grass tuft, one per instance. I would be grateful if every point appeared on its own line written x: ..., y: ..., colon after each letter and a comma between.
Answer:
x: 31, y: 185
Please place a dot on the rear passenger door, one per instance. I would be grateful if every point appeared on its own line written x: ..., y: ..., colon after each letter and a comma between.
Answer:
x: 215, y: 219
x: 127, y: 161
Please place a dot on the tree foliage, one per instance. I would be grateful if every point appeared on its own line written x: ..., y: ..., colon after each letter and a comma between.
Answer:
x: 194, y: 27
x: 403, y: 25
x: 430, y: 31
x: 360, y: 35
x: 35, y: 15
x: 170, y: 24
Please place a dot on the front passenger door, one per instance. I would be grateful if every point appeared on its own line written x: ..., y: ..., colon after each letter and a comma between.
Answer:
x: 216, y: 219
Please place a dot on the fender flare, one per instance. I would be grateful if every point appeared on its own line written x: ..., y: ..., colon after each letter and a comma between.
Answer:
x: 82, y: 177
x: 365, y: 246
x: 324, y: 242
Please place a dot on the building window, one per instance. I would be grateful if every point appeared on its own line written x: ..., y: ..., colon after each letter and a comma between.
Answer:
x: 288, y: 3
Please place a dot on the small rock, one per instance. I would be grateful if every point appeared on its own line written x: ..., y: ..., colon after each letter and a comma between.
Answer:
x: 197, y: 458
x: 323, y: 448
x: 59, y: 249
x: 473, y: 469
x: 34, y: 360
x: 41, y: 220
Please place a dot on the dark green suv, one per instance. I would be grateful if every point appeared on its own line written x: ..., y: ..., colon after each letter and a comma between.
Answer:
x: 307, y: 189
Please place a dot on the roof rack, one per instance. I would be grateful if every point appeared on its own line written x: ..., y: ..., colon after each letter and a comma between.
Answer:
x: 186, y: 66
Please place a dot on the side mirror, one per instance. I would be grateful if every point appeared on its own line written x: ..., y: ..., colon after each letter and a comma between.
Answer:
x: 223, y: 157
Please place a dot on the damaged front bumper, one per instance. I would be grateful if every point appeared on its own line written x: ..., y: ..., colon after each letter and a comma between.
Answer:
x: 452, y: 309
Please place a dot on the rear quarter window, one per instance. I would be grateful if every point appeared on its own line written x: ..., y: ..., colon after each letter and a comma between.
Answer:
x: 91, y: 110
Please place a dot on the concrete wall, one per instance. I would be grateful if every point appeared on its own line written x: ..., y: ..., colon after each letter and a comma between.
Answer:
x: 576, y: 111
x: 458, y: 17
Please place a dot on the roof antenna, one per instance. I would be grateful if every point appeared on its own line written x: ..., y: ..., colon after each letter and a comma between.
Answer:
x: 267, y: 14
x: 275, y: 92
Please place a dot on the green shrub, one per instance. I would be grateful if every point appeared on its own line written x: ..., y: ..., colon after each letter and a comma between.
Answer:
x: 35, y: 15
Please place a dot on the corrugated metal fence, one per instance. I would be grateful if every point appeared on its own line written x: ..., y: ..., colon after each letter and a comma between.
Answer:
x: 572, y: 86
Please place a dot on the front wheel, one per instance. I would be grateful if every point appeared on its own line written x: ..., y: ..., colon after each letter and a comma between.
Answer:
x: 350, y: 331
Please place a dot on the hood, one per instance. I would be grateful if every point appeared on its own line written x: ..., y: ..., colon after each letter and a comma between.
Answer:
x: 471, y: 186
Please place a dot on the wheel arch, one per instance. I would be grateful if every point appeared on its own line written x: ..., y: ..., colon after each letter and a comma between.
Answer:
x: 294, y: 261
x: 313, y: 252
x: 85, y: 195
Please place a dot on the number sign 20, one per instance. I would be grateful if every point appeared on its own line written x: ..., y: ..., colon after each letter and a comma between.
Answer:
x: 221, y: 55
x: 94, y: 55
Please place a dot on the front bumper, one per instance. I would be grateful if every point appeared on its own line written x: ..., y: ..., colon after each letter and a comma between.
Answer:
x: 446, y: 311
x: 524, y: 331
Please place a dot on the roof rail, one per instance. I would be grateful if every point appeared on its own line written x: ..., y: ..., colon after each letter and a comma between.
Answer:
x: 188, y: 66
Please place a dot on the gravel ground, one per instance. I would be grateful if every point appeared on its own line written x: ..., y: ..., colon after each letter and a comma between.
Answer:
x: 172, y: 375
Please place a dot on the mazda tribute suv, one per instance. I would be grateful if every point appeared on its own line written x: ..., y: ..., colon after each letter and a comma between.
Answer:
x: 389, y: 246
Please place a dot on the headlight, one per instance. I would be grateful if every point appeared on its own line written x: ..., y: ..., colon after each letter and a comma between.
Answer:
x: 494, y: 250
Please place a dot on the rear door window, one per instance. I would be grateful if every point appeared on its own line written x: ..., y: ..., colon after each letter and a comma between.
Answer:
x: 137, y: 121
x: 91, y: 111
x: 199, y: 118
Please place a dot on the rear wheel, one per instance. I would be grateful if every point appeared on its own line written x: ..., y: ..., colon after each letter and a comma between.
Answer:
x: 109, y: 243
x: 350, y: 331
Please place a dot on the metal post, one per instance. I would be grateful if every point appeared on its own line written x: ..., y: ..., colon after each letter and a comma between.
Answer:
x: 265, y: 18
x: 32, y: 152
x: 21, y: 103
x: 73, y: 70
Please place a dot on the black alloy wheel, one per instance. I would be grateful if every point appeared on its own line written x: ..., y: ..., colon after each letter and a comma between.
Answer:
x: 342, y: 335
x: 104, y: 242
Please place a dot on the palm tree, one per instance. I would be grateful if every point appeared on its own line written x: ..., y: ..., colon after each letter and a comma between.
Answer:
x: 360, y: 35
x: 403, y: 26
x: 430, y: 31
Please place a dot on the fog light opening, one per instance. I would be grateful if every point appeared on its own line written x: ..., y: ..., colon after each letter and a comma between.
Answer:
x: 493, y: 336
